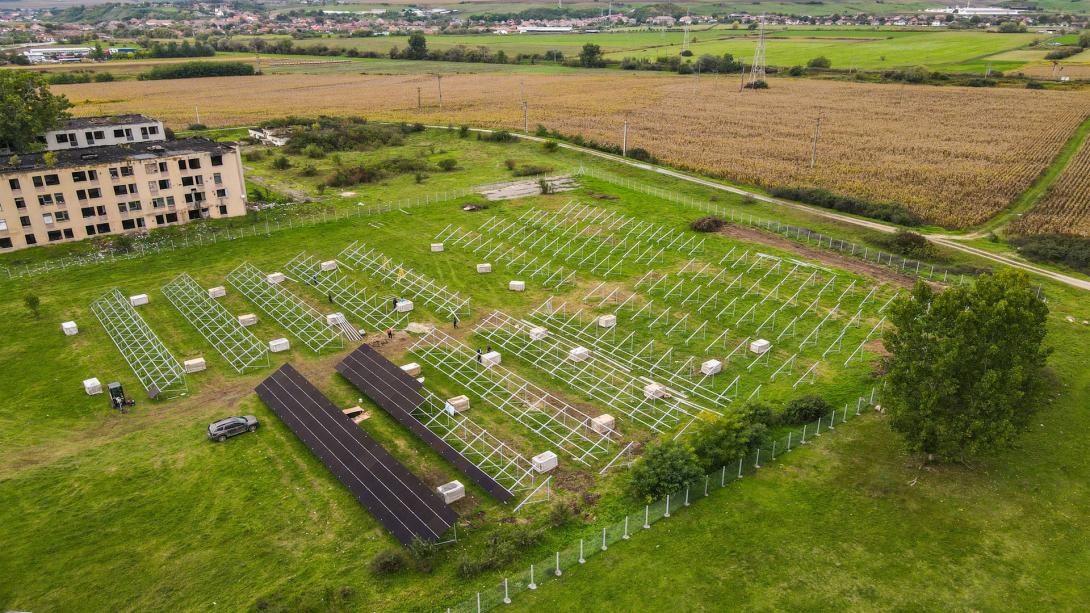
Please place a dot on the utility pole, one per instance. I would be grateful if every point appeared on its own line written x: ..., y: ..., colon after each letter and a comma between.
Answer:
x: 439, y: 82
x: 525, y: 117
x: 813, y: 145
x: 624, y: 139
x: 198, y: 113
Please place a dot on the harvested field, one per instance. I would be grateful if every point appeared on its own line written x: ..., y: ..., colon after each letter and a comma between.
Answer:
x: 1065, y: 208
x: 954, y: 156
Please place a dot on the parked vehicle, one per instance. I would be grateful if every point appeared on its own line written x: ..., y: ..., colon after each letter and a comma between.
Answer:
x: 224, y: 429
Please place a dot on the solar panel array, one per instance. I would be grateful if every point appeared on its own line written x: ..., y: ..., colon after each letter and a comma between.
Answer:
x: 156, y: 368
x: 287, y: 309
x: 399, y: 395
x: 232, y: 340
x: 397, y: 498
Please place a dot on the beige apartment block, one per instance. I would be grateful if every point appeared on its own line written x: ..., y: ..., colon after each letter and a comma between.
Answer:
x: 117, y: 188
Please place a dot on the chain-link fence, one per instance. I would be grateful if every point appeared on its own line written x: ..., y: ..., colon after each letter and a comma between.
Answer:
x: 603, y: 538
x: 817, y: 239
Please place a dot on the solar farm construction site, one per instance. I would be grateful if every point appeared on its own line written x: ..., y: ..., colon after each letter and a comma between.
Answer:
x: 454, y: 396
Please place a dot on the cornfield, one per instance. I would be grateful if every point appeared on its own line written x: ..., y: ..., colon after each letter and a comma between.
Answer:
x: 1065, y: 208
x: 953, y: 156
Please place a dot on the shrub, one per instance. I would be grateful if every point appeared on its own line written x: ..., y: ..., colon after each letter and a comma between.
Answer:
x: 463, y: 131
x: 309, y: 170
x: 282, y: 163
x: 723, y: 440
x: 1031, y: 84
x: 641, y: 154
x: 805, y: 409
x: 819, y: 62
x: 499, y: 136
x: 758, y: 84
x: 909, y: 244
x: 663, y: 469
x: 447, y: 164
x: 709, y: 223
x: 559, y: 514
x: 255, y: 155
x: 197, y: 127
x: 313, y: 151
x: 1063, y: 52
x: 510, y: 164
x: 550, y: 146
x: 190, y: 70
x: 686, y: 53
x: 796, y: 71
x: 388, y: 562
x: 529, y: 170
x: 545, y: 187
x: 1065, y: 249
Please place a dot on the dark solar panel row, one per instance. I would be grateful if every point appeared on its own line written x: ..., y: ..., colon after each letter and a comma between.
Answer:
x: 398, y: 393
x: 404, y: 505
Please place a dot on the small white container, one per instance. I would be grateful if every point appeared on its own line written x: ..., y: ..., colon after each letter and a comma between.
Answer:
x: 760, y: 346
x: 328, y: 265
x: 404, y: 306
x: 194, y: 365
x: 457, y: 404
x: 544, y: 461
x: 247, y: 320
x: 412, y: 369
x: 492, y: 358
x: 654, y: 391
x: 579, y: 354
x: 277, y: 345
x: 437, y: 247
x: 275, y: 277
x: 538, y: 333
x: 517, y: 286
x: 483, y: 268
x: 92, y: 386
x: 69, y: 328
x: 217, y: 292
x: 138, y: 300
x: 607, y: 321
x: 452, y: 492
x: 603, y: 424
x: 335, y: 319
x: 711, y: 367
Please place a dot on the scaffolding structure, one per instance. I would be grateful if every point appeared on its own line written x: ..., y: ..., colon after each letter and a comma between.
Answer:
x: 597, y: 377
x: 300, y: 319
x: 155, y: 367
x: 414, y: 285
x: 237, y: 345
x: 377, y: 312
x: 551, y: 418
x: 643, y: 232
x: 518, y: 262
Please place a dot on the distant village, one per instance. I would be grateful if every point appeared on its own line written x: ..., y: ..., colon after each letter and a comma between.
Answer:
x: 60, y: 35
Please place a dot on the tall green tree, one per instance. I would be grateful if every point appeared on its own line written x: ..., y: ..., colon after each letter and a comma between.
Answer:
x: 591, y: 56
x: 418, y: 47
x: 966, y: 372
x: 27, y: 109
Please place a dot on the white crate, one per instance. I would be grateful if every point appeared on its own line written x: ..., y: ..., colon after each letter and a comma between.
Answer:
x: 92, y: 386
x: 452, y: 492
x: 404, y: 306
x: 603, y: 424
x: 711, y: 367
x: 217, y: 292
x: 328, y: 265
x: 483, y: 268
x: 457, y: 404
x: 277, y: 345
x: 437, y: 247
x: 607, y: 321
x: 335, y: 319
x: 138, y: 300
x: 760, y: 346
x: 275, y: 277
x: 654, y: 390
x: 412, y: 369
x: 194, y: 365
x: 517, y: 286
x: 247, y: 319
x: 69, y: 328
x: 579, y: 354
x: 538, y: 333
x: 492, y: 358
x: 544, y: 461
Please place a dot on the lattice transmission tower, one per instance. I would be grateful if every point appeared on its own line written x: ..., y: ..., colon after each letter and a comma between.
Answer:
x: 757, y: 71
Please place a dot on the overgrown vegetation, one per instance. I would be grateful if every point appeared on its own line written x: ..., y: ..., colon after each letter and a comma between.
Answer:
x: 908, y: 244
x: 708, y: 223
x: 847, y: 204
x: 193, y: 70
x: 315, y: 136
x: 1063, y: 249
x: 664, y: 468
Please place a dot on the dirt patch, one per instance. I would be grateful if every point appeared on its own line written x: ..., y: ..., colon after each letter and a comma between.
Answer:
x: 825, y: 257
x: 526, y: 187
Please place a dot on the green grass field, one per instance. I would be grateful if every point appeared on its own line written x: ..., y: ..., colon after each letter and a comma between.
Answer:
x: 90, y: 495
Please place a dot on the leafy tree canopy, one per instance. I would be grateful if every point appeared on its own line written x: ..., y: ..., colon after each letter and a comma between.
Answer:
x: 966, y: 372
x: 27, y: 109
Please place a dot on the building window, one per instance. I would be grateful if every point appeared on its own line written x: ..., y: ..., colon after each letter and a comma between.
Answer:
x: 5, y: 243
x: 43, y: 180
x: 132, y: 224
x: 221, y: 193
x: 30, y: 239
x: 89, y: 229
x: 3, y: 225
x: 62, y: 138
x: 119, y: 133
x: 153, y: 129
x: 47, y: 218
x: 181, y: 164
x: 217, y: 160
x: 115, y: 173
x: 20, y: 203
x: 60, y: 216
x: 121, y: 190
x: 223, y: 209
x: 103, y: 228
x: 13, y: 184
x: 162, y: 166
x: 164, y: 183
x: 24, y: 221
x: 45, y: 200
x: 54, y: 235
x: 59, y: 199
x: 217, y: 178
x: 135, y: 206
x: 194, y: 163
x: 87, y: 211
x: 151, y: 168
